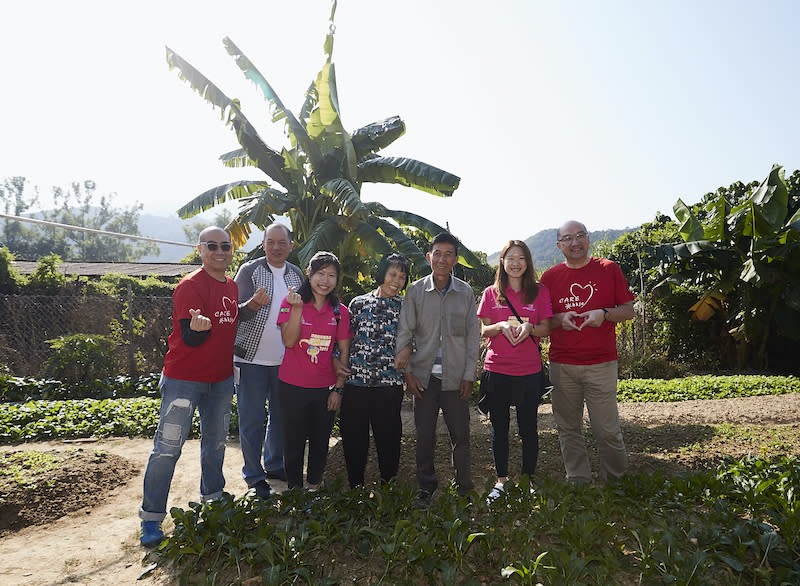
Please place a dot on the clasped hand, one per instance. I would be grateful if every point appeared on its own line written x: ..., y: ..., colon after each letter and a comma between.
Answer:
x: 516, y: 334
x: 593, y: 318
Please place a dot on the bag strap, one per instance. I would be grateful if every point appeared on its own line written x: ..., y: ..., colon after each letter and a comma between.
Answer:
x: 519, y: 319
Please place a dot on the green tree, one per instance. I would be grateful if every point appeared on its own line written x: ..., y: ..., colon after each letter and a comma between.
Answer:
x: 192, y: 231
x: 662, y: 340
x: 10, y: 280
x: 15, y: 235
x: 78, y: 205
x: 47, y: 279
x: 316, y: 180
x: 741, y: 248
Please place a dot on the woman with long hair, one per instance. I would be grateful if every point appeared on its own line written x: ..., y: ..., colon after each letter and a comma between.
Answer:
x: 312, y: 322
x: 514, y: 313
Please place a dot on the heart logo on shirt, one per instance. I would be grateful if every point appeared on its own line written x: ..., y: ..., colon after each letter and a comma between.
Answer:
x: 579, y: 291
x: 231, y: 307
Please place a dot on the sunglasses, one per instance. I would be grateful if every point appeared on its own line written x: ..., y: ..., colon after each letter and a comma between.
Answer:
x: 212, y: 246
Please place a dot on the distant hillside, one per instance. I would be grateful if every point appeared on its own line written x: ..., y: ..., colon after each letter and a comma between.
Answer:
x: 544, y: 251
x: 165, y: 228
x: 171, y: 228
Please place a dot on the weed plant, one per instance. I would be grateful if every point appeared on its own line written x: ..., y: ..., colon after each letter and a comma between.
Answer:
x: 738, y: 524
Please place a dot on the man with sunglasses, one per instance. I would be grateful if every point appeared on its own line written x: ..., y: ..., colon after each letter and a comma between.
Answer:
x: 263, y: 284
x: 198, y: 374
x: 589, y: 295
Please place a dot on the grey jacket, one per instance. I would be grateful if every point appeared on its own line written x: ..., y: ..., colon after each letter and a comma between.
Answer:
x: 428, y: 316
x: 251, y: 276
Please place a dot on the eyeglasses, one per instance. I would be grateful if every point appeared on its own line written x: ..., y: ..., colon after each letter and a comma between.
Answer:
x: 278, y: 243
x: 212, y: 246
x: 580, y: 236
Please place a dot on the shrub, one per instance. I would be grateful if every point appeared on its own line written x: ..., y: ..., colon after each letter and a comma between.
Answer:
x: 46, y: 279
x: 18, y: 389
x: 10, y: 280
x: 80, y: 359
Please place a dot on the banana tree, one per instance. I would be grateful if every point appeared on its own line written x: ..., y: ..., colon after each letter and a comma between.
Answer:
x: 316, y: 179
x: 744, y: 254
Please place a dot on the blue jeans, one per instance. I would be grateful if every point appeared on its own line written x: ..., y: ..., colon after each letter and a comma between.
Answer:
x: 179, y: 399
x: 257, y: 385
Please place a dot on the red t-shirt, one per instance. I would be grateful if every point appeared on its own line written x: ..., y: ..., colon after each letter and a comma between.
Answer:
x: 211, y: 361
x: 599, y: 284
x: 308, y: 364
x: 502, y: 357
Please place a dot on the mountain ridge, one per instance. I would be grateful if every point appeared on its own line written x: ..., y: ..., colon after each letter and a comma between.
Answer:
x: 546, y: 254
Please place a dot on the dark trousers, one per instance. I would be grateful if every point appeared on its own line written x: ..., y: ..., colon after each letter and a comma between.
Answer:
x: 526, y: 392
x: 456, y: 416
x: 380, y: 408
x: 305, y: 416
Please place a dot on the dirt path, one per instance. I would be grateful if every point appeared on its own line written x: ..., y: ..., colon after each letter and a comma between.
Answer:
x: 99, y: 545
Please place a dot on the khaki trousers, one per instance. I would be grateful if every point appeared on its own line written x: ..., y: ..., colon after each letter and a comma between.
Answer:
x: 596, y: 385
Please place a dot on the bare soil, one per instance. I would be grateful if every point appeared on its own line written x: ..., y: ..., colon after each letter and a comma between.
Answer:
x: 79, y: 525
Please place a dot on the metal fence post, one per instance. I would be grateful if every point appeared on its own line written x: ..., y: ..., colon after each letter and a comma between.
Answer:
x: 131, y: 353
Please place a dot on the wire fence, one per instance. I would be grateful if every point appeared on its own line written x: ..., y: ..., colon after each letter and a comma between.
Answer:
x: 139, y: 326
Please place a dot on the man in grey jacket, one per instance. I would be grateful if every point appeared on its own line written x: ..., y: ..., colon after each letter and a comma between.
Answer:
x: 438, y: 340
x: 258, y: 350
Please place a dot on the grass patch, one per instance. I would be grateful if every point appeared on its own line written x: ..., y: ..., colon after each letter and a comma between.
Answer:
x: 24, y: 468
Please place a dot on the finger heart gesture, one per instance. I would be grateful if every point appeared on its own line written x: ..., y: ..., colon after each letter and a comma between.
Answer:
x: 199, y: 323
x: 293, y: 298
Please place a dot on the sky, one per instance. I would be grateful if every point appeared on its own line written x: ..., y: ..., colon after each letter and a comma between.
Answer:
x: 601, y: 111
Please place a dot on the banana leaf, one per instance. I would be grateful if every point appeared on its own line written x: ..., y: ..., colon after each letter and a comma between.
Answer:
x: 325, y: 125
x: 237, y: 158
x: 326, y: 235
x: 408, y: 172
x: 266, y: 159
x: 297, y: 133
x: 260, y: 211
x: 346, y: 197
x: 771, y: 199
x: 690, y: 227
x: 376, y: 136
x: 402, y: 243
x: 465, y: 255
x: 220, y: 194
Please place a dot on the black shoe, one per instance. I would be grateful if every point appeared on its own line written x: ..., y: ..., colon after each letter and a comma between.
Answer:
x: 276, y: 475
x: 263, y: 489
x: 424, y: 498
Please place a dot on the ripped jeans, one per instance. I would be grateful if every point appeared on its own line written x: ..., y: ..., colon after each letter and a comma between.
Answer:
x: 179, y: 399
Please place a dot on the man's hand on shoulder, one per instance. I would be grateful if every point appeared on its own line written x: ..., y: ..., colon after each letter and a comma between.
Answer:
x: 199, y: 323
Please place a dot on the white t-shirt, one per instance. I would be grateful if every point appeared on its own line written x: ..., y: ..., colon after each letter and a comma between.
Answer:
x: 270, y: 348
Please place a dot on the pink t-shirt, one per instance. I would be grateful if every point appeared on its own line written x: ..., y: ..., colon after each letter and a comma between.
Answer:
x: 599, y: 284
x: 502, y: 357
x: 308, y: 364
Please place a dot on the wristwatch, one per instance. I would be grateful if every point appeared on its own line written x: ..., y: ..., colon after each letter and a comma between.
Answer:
x: 605, y: 313
x: 339, y: 390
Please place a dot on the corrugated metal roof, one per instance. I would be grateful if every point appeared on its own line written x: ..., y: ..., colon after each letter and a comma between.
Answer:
x: 98, y: 269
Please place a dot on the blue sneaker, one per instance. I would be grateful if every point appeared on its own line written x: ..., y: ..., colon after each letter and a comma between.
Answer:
x: 262, y: 489
x: 152, y: 534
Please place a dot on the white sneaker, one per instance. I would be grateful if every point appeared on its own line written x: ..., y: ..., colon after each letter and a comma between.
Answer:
x: 495, y: 493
